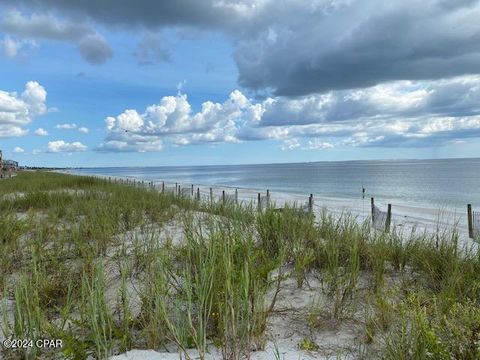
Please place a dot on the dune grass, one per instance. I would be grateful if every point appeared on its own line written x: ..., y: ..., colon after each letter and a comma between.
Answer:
x: 85, y: 260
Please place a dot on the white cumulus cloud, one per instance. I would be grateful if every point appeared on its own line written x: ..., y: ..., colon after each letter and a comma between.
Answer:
x: 62, y: 146
x: 41, y: 132
x: 66, y: 126
x: 18, y: 150
x: 401, y: 113
x: 173, y: 118
x: 19, y: 110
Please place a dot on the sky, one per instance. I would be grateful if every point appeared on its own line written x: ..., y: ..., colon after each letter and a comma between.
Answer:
x: 187, y: 82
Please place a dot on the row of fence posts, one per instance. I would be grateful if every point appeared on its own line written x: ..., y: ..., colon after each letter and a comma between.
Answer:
x: 225, y: 198
x: 260, y: 199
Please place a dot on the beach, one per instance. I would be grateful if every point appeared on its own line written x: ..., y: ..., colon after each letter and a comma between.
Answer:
x: 122, y: 270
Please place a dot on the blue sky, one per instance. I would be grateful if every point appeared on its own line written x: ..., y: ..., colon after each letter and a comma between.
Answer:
x: 231, y: 82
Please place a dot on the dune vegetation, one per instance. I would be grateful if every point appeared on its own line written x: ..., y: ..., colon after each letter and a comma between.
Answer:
x: 108, y: 267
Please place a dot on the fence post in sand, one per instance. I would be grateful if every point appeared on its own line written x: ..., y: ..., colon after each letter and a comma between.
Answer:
x: 372, y: 202
x: 236, y: 196
x: 176, y: 189
x: 259, y: 204
x: 470, y: 221
x: 163, y: 187
x: 198, y: 194
x: 389, y: 218
x: 192, y: 190
x: 310, y: 203
x: 223, y: 197
x: 211, y: 196
x: 268, y: 198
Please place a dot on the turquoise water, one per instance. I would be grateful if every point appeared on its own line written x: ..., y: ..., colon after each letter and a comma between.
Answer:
x: 438, y: 183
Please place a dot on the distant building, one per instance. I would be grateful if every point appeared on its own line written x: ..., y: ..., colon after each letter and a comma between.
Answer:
x: 10, y: 164
x: 7, y: 167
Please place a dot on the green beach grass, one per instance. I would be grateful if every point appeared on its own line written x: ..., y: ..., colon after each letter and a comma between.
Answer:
x: 90, y: 262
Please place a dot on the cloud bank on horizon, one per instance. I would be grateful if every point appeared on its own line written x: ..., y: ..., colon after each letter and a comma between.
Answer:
x: 321, y: 75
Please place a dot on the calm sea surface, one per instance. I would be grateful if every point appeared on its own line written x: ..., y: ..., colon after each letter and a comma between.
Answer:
x: 438, y: 183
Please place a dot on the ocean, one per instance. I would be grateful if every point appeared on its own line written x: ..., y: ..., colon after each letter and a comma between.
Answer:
x: 443, y: 183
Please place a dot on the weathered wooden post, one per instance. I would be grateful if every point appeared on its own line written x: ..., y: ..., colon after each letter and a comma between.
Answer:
x: 372, y: 202
x: 470, y: 221
x: 236, y: 196
x: 198, y: 194
x: 310, y: 203
x: 211, y: 196
x: 163, y: 187
x: 223, y: 197
x: 268, y: 198
x: 176, y: 189
x: 192, y: 190
x: 389, y: 218
x: 259, y: 203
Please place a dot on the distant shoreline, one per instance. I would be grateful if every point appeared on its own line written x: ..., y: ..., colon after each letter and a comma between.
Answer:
x: 249, y: 164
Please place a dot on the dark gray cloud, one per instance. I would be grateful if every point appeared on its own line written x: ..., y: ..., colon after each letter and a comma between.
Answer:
x: 142, y: 13
x: 94, y: 49
x: 362, y: 44
x: 44, y: 26
x: 296, y: 48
